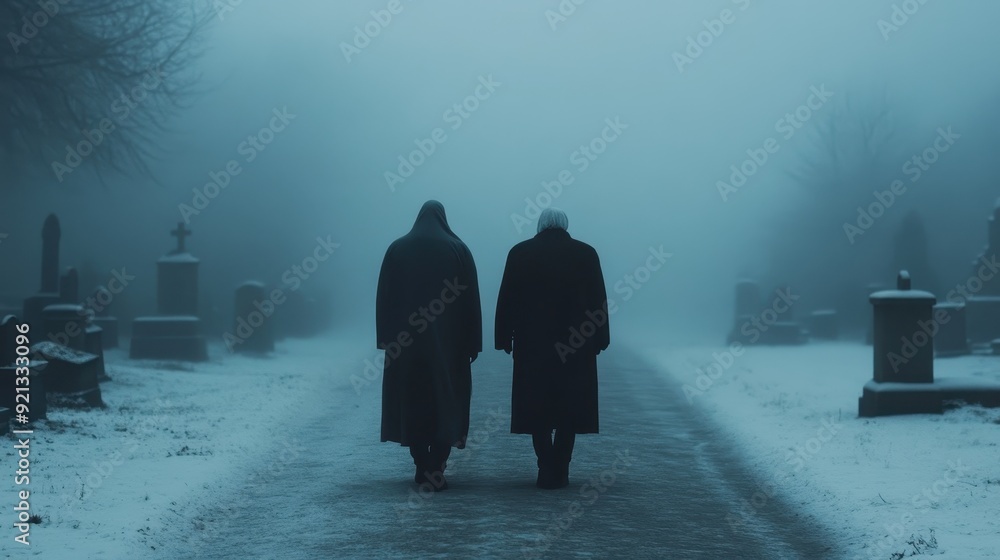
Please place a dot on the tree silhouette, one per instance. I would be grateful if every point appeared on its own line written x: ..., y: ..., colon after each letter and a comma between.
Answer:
x: 97, y: 78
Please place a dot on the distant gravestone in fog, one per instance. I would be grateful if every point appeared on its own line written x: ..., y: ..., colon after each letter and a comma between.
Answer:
x: 175, y: 333
x: 69, y: 286
x: 983, y: 308
x: 252, y: 328
x: 49, y: 291
x: 903, y: 380
x: 100, y: 305
x: 823, y: 324
x: 951, y: 338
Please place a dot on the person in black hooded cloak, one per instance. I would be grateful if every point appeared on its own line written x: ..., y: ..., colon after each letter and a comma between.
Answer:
x: 429, y: 322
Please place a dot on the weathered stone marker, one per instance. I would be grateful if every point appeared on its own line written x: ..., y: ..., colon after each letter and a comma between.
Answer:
x: 252, y: 330
x: 905, y: 325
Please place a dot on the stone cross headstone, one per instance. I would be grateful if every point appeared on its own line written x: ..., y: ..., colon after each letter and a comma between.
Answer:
x: 175, y: 332
x: 252, y: 329
x: 903, y: 334
x: 177, y: 279
x: 181, y: 234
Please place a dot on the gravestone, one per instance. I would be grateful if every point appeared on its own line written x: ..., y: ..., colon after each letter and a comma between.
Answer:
x: 748, y: 305
x: 175, y: 332
x: 983, y: 308
x: 903, y: 380
x: 9, y: 384
x: 65, y: 324
x: 49, y: 291
x: 99, y: 304
x: 950, y: 339
x: 252, y: 329
x: 71, y: 376
x: 69, y: 286
x: 823, y: 324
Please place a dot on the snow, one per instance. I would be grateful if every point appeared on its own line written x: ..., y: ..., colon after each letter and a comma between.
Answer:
x: 887, y: 485
x: 102, y: 480
x: 116, y: 483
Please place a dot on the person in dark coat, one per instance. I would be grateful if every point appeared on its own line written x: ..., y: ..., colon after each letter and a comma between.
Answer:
x: 429, y: 322
x: 552, y: 313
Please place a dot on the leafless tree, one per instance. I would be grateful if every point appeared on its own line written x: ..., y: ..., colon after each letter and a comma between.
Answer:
x: 92, y: 83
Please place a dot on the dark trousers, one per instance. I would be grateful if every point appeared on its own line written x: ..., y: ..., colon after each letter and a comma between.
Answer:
x: 554, y: 451
x: 431, y: 457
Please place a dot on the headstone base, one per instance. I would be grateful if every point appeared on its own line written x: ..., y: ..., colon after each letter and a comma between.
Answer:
x: 37, y: 394
x: 168, y: 338
x: 982, y: 314
x: 110, y: 326
x: 889, y: 399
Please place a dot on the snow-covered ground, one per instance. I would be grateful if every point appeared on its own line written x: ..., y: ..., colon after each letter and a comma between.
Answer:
x: 891, y: 487
x: 104, y: 481
x: 114, y: 483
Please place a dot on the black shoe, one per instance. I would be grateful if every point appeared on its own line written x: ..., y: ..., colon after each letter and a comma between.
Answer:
x: 546, y: 479
x: 435, y: 481
x: 561, y: 479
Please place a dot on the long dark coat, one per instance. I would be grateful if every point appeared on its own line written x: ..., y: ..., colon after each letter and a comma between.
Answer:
x: 552, y: 311
x: 429, y: 320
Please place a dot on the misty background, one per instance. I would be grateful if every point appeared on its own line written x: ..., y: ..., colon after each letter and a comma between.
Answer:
x: 324, y: 174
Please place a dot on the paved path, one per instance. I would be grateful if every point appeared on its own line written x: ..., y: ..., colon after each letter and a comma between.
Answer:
x: 656, y: 483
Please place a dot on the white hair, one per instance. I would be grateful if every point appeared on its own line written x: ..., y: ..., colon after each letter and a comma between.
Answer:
x: 552, y: 219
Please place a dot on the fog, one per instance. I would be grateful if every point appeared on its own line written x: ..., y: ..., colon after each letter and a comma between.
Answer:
x: 352, y: 114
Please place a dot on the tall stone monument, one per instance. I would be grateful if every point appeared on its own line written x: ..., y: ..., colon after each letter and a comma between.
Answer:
x: 48, y: 293
x: 175, y: 333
